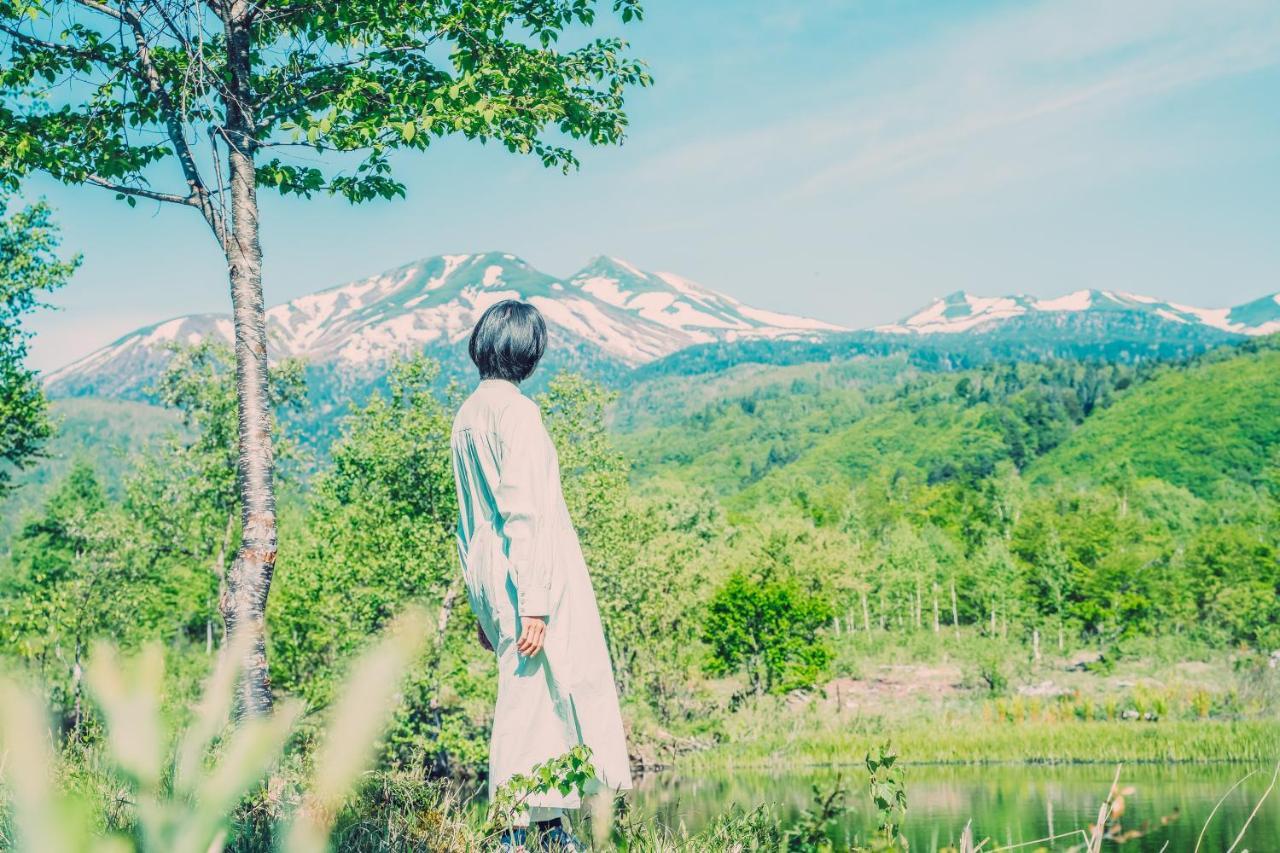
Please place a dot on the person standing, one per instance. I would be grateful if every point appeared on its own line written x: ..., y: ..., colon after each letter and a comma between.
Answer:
x: 528, y: 583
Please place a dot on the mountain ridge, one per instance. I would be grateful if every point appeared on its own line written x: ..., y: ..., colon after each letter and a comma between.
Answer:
x: 609, y: 311
x: 611, y: 317
x: 962, y: 311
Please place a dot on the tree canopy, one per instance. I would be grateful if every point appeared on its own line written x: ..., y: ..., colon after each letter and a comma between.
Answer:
x: 100, y: 92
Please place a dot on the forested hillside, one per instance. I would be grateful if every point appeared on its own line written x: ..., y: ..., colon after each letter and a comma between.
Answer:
x: 101, y: 432
x: 834, y: 424
x: 1075, y: 499
x: 1192, y: 423
x: 1215, y: 423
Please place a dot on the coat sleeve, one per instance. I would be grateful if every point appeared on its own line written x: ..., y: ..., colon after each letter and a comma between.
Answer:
x: 520, y: 498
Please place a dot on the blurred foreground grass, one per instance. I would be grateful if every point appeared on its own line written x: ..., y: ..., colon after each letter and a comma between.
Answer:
x: 197, y: 790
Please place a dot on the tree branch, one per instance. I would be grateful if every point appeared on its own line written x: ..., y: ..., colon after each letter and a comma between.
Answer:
x: 103, y: 8
x: 172, y: 119
x: 33, y: 41
x: 142, y: 192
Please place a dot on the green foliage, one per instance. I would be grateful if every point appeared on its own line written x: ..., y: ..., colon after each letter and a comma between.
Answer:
x: 29, y: 268
x: 632, y: 544
x: 79, y: 572
x: 148, y: 566
x: 564, y: 773
x: 890, y: 518
x: 812, y: 829
x: 108, y: 435
x: 1083, y: 339
x: 1195, y: 427
x: 938, y: 487
x: 767, y: 627
x: 990, y: 664
x: 794, y: 432
x: 183, y: 490
x: 888, y: 796
x: 353, y: 80
x: 380, y: 526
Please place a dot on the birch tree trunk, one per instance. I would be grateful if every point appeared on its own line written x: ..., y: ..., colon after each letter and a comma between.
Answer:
x: 249, y: 578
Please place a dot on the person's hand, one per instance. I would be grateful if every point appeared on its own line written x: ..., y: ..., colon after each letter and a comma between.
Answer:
x: 484, y: 638
x: 533, y: 635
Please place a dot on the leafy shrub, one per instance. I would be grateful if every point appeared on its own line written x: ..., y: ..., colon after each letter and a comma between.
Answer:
x: 768, y: 628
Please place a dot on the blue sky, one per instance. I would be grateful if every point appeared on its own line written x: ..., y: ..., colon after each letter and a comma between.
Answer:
x: 847, y: 160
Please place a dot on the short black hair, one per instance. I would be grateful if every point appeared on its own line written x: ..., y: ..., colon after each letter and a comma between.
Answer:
x: 509, y: 341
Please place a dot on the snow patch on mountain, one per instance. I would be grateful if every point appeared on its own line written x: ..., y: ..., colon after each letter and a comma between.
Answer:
x: 964, y: 312
x: 697, y: 312
x: 1079, y: 300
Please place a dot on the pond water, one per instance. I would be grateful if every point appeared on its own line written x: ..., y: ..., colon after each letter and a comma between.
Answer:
x: 1166, y: 804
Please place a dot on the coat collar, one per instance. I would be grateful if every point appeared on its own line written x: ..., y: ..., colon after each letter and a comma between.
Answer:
x: 498, y: 385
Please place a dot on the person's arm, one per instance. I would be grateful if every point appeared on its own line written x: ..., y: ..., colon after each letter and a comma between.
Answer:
x: 520, y: 501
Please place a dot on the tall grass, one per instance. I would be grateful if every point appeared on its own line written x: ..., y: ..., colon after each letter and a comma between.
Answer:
x: 836, y: 742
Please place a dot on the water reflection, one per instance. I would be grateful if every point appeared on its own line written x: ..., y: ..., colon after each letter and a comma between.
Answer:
x: 1165, y: 804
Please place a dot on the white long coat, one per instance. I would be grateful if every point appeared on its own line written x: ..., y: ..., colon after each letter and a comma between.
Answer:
x: 520, y: 557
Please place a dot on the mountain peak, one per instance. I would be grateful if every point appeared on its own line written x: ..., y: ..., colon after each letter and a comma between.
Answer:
x: 610, y: 265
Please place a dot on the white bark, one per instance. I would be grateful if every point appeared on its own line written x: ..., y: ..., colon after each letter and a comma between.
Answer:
x: 249, y: 579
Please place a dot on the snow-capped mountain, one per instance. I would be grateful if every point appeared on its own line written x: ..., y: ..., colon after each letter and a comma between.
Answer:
x: 610, y: 310
x: 964, y: 312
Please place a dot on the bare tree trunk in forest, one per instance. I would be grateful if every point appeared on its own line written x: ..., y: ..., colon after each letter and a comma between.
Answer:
x: 77, y: 689
x: 955, y: 609
x: 446, y: 611
x: 866, y: 614
x: 442, y: 627
x: 434, y: 706
x: 220, y: 572
x: 937, y: 622
x: 249, y: 579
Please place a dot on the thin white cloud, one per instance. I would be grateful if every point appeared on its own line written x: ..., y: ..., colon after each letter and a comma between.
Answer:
x: 1049, y: 77
x: 1030, y: 84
